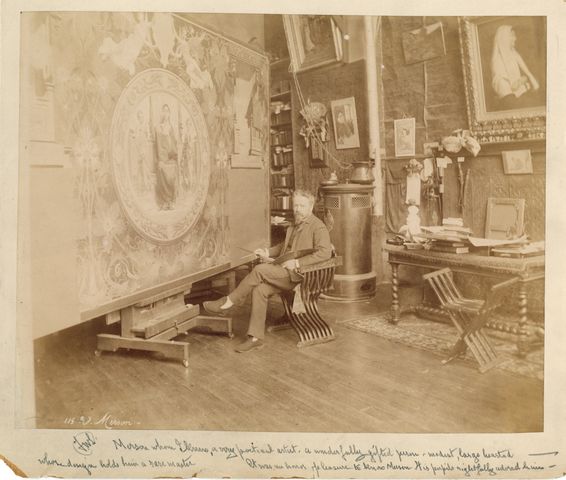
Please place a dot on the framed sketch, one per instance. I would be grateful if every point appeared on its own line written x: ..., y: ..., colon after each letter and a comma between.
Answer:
x: 404, y: 137
x: 517, y: 162
x: 424, y: 43
x: 314, y: 40
x: 504, y: 61
x: 251, y: 110
x: 345, y: 123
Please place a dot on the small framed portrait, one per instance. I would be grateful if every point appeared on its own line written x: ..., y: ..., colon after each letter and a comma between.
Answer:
x: 404, y: 137
x: 504, y: 60
x: 517, y: 162
x: 314, y: 40
x: 345, y: 123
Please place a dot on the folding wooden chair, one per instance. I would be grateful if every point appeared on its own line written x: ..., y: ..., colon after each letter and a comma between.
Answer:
x: 309, y: 325
x: 469, y: 316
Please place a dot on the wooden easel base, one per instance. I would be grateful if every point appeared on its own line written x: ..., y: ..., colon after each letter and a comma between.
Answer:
x: 162, y: 341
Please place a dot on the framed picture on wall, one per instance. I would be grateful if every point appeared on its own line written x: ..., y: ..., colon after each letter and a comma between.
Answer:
x: 404, y: 137
x: 517, y: 162
x: 345, y: 123
x: 504, y: 61
x: 424, y: 43
x: 314, y: 40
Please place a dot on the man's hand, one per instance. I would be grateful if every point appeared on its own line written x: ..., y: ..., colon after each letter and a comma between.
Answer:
x: 290, y: 264
x: 263, y: 254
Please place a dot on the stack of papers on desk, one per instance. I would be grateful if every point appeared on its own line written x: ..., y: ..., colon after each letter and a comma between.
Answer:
x: 494, y: 242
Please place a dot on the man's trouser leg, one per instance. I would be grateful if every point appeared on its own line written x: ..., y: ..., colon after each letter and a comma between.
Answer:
x: 262, y: 282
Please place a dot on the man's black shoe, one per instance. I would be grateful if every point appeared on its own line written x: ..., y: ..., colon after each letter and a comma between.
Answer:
x: 249, y: 344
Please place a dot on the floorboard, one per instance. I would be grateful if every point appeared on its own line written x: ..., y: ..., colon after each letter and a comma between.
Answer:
x: 357, y: 383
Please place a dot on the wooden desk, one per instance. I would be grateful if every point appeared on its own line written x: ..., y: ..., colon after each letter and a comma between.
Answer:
x: 526, y: 269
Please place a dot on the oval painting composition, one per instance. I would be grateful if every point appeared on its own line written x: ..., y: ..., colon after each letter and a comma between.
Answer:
x: 160, y: 155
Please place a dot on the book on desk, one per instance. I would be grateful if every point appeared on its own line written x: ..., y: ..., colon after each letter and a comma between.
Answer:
x: 440, y: 247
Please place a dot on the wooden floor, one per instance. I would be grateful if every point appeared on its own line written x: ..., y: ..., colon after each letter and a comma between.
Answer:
x: 357, y: 383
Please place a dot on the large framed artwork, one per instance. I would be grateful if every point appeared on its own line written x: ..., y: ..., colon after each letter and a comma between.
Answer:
x: 314, y: 40
x: 149, y: 112
x: 504, y: 61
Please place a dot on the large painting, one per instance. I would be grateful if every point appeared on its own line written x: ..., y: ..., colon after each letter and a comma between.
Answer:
x: 144, y: 105
x: 504, y: 61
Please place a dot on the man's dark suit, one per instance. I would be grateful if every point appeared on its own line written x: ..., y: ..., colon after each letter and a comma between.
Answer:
x: 267, y: 279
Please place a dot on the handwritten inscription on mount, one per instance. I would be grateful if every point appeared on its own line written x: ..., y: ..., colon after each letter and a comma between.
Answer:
x: 166, y: 456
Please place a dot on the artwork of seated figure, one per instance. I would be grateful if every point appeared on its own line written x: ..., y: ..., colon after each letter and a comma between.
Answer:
x: 167, y: 168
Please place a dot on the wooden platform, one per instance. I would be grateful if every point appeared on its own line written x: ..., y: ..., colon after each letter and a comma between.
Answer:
x: 358, y: 383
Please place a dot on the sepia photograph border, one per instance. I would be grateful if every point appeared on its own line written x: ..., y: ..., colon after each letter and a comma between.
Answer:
x: 21, y: 448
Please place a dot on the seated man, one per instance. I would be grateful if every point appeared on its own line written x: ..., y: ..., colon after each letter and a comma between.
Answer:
x: 266, y: 279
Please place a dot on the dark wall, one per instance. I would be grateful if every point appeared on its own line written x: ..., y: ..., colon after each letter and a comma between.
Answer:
x: 433, y: 93
x: 324, y: 85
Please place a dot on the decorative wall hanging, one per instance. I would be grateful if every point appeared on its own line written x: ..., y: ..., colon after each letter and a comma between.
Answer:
x: 313, y: 40
x: 404, y: 137
x: 145, y: 105
x: 345, y: 122
x: 424, y: 43
x: 315, y: 132
x: 251, y: 107
x: 504, y: 60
